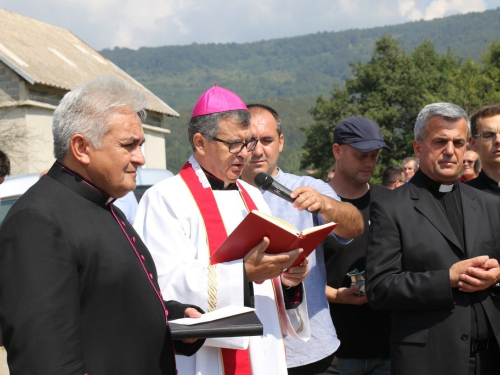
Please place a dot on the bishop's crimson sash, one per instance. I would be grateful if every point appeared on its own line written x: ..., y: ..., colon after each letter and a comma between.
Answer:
x: 236, y: 362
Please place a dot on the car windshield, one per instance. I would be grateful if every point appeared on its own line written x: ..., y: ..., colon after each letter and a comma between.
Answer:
x: 5, y: 205
x: 14, y: 186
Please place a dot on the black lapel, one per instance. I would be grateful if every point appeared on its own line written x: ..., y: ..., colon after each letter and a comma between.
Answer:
x: 472, y: 215
x: 426, y: 204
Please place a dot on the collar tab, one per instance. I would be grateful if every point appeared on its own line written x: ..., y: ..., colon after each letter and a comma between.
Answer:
x: 445, y: 188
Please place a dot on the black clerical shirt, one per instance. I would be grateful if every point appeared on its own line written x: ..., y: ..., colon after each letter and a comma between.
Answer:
x: 292, y: 297
x: 451, y: 203
x: 485, y: 183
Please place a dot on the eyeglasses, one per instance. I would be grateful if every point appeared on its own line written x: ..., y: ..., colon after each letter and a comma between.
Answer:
x: 237, y: 147
x: 469, y: 161
x: 487, y: 136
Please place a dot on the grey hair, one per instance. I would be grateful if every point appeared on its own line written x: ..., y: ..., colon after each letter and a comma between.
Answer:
x: 85, y: 109
x: 208, y: 125
x: 414, y: 160
x: 448, y: 111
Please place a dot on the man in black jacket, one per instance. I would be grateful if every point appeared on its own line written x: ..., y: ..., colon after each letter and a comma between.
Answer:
x: 78, y: 288
x: 435, y: 271
x: 485, y: 139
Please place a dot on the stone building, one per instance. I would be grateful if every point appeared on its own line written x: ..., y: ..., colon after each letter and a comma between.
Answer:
x: 39, y: 63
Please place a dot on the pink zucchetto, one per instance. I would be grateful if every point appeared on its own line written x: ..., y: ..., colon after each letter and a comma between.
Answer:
x: 217, y: 99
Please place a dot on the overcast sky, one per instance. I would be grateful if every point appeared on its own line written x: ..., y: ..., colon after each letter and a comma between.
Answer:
x: 151, y: 23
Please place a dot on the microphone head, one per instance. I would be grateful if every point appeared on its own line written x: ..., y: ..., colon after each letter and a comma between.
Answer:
x: 263, y: 180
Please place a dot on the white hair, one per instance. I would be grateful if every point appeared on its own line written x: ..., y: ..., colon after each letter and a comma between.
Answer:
x: 85, y: 109
x: 448, y: 111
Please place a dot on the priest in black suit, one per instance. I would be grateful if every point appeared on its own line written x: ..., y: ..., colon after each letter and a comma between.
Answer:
x: 78, y: 288
x: 433, y: 258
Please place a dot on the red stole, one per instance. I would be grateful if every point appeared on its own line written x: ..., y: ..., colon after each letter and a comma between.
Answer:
x: 235, y: 362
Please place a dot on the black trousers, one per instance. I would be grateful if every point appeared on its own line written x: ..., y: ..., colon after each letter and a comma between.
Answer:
x: 486, y: 362
x: 326, y: 366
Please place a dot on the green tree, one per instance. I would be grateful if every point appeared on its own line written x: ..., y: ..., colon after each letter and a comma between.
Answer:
x: 491, y: 61
x: 390, y: 89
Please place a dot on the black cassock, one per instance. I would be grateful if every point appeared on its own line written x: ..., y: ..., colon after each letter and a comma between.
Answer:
x: 78, y: 288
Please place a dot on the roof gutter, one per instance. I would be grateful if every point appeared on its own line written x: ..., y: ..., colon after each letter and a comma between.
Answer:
x: 156, y: 129
x: 16, y: 69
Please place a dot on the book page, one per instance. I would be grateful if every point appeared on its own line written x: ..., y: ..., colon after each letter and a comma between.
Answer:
x: 223, y: 312
x: 279, y: 222
x: 307, y: 231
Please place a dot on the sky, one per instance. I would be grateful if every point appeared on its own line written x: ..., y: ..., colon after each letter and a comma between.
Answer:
x: 152, y: 23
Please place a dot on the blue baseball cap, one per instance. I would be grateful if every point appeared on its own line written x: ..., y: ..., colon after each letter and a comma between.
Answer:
x: 360, y: 133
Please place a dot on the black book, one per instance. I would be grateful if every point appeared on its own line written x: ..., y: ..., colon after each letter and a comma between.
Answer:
x: 247, y: 324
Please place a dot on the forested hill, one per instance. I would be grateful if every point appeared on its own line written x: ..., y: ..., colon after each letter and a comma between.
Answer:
x: 302, y: 66
x: 286, y: 73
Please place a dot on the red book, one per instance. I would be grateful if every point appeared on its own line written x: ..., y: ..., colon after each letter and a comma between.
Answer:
x: 282, y: 236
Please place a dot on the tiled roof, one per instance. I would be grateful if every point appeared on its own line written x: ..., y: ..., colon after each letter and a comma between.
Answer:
x: 49, y: 55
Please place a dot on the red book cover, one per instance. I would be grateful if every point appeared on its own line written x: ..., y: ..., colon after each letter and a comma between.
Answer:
x: 282, y: 236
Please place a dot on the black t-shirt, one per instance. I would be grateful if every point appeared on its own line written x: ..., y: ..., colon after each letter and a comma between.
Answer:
x: 363, y: 332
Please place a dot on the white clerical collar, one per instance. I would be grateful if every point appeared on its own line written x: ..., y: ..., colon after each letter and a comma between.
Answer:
x: 445, y: 188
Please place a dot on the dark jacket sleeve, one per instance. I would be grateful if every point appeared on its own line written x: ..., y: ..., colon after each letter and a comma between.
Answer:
x: 39, y: 294
x: 176, y: 311
x: 293, y: 296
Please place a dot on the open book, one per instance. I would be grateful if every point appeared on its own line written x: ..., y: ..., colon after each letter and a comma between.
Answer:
x: 283, y: 237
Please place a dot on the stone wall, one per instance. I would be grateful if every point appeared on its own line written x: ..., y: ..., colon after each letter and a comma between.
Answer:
x: 9, y: 84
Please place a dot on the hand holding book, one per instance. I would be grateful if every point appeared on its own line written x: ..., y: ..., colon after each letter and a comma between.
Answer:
x: 282, y: 236
x: 295, y: 275
x: 260, y: 265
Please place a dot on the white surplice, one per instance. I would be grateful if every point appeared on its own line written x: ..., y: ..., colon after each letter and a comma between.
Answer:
x: 171, y: 225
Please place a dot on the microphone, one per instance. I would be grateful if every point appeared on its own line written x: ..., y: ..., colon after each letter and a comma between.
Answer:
x: 266, y: 182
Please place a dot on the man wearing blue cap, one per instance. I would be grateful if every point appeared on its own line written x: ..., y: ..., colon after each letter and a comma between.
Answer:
x: 363, y: 332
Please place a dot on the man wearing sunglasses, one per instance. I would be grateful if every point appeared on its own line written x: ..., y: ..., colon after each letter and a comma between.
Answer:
x: 469, y: 166
x: 185, y: 218
x: 485, y: 139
